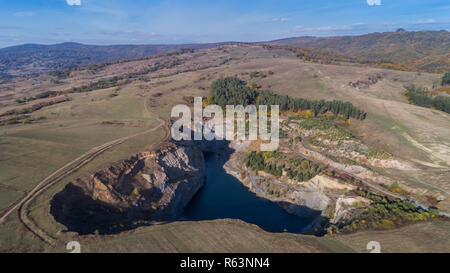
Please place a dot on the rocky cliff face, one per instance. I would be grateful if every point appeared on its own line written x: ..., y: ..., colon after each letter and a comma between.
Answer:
x: 345, y: 210
x: 151, y: 186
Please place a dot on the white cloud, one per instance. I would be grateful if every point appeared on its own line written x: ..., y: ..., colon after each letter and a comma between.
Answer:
x: 73, y: 2
x: 374, y: 2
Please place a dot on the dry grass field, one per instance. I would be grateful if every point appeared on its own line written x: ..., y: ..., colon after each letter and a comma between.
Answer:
x: 208, y: 236
x: 418, y: 238
x: 233, y: 236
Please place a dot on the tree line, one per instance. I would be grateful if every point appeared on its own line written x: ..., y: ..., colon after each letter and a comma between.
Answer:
x: 255, y: 161
x: 233, y: 91
x: 299, y: 169
x: 420, y: 97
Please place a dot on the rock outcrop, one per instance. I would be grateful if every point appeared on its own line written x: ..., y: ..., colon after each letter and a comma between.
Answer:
x: 318, y: 193
x: 347, y: 209
x: 150, y: 186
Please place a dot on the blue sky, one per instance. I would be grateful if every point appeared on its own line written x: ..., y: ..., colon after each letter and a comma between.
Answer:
x: 176, y: 21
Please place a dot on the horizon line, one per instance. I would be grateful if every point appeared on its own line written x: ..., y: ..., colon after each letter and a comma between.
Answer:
x: 221, y: 42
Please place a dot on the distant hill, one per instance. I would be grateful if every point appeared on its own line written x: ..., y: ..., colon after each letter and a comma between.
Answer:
x: 34, y: 58
x: 422, y: 50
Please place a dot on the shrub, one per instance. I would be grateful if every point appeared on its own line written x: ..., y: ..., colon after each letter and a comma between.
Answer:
x: 387, y: 224
x: 446, y: 79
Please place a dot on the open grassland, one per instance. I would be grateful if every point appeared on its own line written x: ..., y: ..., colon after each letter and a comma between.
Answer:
x: 30, y: 152
x: 418, y: 238
x: 207, y: 236
x: 227, y: 236
x: 7, y: 197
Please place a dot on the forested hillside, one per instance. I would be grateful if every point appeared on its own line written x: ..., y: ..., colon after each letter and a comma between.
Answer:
x: 423, y: 50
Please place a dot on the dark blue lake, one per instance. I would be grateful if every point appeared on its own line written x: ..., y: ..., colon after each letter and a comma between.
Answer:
x: 223, y: 196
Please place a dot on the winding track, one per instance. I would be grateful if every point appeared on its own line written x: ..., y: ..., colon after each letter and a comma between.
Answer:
x: 62, y: 172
